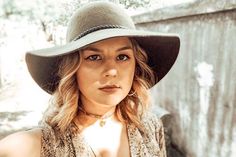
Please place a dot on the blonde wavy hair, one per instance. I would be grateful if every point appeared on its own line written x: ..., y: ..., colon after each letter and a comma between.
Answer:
x: 63, y: 106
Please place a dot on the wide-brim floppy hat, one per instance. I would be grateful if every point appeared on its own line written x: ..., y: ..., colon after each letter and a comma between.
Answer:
x: 94, y: 22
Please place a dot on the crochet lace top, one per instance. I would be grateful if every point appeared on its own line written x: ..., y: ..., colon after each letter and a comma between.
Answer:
x: 151, y: 144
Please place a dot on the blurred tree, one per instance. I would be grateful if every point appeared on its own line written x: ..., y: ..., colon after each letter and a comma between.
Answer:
x: 135, y: 3
x: 8, y: 8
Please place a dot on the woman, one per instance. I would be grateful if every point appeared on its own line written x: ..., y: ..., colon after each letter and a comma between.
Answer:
x: 99, y: 82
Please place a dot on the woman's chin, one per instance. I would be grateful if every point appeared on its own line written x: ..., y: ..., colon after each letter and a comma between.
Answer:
x: 110, y: 101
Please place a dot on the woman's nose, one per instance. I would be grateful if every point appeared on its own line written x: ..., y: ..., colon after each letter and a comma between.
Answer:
x: 110, y: 69
x: 111, y: 73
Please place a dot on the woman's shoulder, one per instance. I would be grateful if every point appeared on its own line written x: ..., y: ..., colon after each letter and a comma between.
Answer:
x: 24, y: 143
x: 55, y: 142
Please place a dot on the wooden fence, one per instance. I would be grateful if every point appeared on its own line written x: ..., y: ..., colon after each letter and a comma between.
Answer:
x: 200, y: 90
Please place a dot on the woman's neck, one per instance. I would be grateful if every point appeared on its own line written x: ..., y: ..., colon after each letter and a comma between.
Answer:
x: 94, y: 114
x: 96, y: 108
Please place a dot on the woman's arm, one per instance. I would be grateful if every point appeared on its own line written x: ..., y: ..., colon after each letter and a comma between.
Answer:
x: 21, y: 144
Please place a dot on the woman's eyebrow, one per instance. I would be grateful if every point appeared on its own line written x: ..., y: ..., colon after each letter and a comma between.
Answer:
x: 92, y: 49
x: 124, y: 48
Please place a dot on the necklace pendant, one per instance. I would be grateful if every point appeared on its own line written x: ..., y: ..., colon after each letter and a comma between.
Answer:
x: 102, y: 123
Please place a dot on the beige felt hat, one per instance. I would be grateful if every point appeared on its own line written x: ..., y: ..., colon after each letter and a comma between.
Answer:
x: 95, y: 22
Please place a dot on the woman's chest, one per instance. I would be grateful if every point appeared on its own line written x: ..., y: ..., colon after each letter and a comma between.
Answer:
x: 104, y: 142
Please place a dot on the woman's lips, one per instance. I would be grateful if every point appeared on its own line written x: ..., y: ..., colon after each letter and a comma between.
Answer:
x: 110, y: 88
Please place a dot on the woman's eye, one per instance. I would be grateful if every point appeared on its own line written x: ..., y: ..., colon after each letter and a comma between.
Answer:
x: 93, y: 57
x: 122, y: 57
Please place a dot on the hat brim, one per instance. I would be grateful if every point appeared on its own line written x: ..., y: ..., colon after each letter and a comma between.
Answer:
x: 162, y: 50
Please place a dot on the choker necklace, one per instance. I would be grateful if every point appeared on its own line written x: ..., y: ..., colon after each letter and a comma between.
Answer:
x: 101, y: 118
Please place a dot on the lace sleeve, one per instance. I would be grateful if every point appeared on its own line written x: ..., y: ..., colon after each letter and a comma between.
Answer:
x: 160, y: 138
x: 56, y: 144
x: 47, y: 142
x: 156, y: 139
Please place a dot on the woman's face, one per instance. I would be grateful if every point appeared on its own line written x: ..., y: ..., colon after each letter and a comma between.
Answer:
x: 106, y: 73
